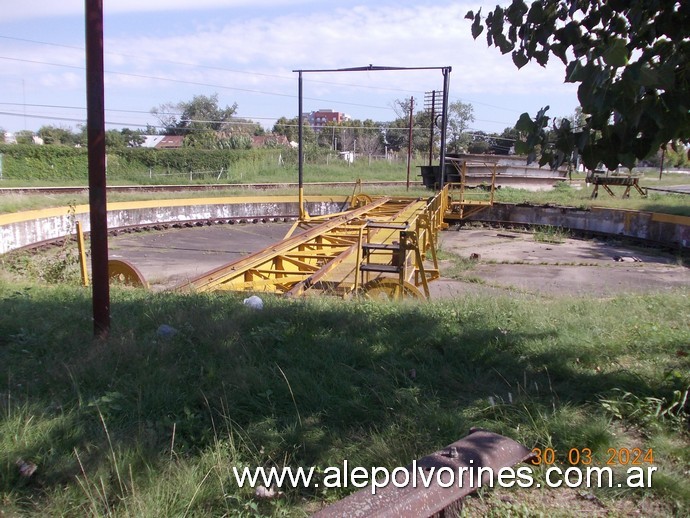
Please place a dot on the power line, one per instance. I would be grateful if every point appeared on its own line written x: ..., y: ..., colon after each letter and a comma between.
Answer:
x: 196, y: 83
x: 243, y: 72
x: 210, y: 67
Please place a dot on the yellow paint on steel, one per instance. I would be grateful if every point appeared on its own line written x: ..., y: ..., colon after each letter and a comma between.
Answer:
x: 671, y: 218
x: 327, y: 256
x: 125, y: 272
x: 385, y: 288
x: 465, y: 201
x: 303, y: 214
x: 82, y: 255
x: 280, y: 266
x: 31, y: 215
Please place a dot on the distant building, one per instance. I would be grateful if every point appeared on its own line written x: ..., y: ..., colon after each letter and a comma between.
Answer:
x: 162, y: 141
x: 151, y: 140
x: 170, y: 142
x: 319, y: 119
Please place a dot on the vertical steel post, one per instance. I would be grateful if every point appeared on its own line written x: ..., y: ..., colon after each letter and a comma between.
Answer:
x: 444, y: 123
x: 95, y: 107
x: 300, y: 160
x: 82, y: 255
x: 409, y: 142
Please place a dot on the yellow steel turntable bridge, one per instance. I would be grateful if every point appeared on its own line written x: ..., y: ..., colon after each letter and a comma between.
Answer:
x: 382, y: 247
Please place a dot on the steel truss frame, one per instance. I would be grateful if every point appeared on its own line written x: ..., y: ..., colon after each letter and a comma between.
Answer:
x: 391, y: 238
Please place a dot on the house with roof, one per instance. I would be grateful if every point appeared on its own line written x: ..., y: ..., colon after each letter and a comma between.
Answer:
x: 170, y: 142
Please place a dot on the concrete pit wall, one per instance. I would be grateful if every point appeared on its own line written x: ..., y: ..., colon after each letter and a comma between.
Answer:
x: 664, y: 229
x: 24, y: 229
x: 28, y: 228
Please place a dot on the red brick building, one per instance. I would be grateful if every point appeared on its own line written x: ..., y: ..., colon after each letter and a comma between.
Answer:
x: 320, y: 118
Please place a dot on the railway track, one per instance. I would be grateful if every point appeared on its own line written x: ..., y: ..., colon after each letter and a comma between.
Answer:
x: 157, y: 227
x: 194, y: 188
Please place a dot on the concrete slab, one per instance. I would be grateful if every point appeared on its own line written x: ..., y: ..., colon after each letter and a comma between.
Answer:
x: 509, y: 261
x: 515, y: 262
x: 169, y: 257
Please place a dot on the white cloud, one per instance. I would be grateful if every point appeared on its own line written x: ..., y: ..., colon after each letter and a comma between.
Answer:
x: 29, y: 9
x: 259, y: 49
x: 413, y: 36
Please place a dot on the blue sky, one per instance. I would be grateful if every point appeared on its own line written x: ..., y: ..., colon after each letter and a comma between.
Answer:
x: 166, y: 51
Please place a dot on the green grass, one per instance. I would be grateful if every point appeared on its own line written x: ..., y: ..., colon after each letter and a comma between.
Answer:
x: 564, y: 194
x: 550, y: 234
x: 138, y: 425
x: 569, y: 196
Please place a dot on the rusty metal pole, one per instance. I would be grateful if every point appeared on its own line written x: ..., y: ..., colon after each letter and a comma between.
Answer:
x: 409, y: 142
x: 95, y: 124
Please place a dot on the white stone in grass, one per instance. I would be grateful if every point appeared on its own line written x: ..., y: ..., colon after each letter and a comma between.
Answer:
x: 254, y: 302
x: 267, y: 493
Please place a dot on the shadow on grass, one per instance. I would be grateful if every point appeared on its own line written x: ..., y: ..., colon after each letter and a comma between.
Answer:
x: 303, y: 382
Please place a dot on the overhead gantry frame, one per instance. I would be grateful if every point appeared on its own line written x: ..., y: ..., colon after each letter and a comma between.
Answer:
x: 378, y: 248
x: 369, y: 68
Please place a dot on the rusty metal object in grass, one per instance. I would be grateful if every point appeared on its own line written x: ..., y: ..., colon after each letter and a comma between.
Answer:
x: 470, y: 461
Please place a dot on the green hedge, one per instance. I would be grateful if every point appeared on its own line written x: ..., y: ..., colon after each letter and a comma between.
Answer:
x: 31, y: 162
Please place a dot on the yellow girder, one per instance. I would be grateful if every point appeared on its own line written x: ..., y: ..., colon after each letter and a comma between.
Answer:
x: 269, y: 262
x: 388, y: 235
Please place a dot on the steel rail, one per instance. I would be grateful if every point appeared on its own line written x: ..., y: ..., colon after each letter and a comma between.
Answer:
x: 193, y: 188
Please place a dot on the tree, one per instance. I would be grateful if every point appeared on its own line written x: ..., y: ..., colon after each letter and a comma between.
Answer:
x: 329, y: 135
x: 202, y: 113
x: 630, y: 60
x: 24, y: 137
x: 114, y: 140
x: 132, y: 138
x: 53, y: 135
x: 460, y: 114
x: 201, y: 139
x: 371, y: 138
x: 481, y: 143
x: 478, y: 146
x: 290, y: 129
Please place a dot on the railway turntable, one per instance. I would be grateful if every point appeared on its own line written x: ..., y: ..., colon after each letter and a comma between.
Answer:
x: 383, y: 247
